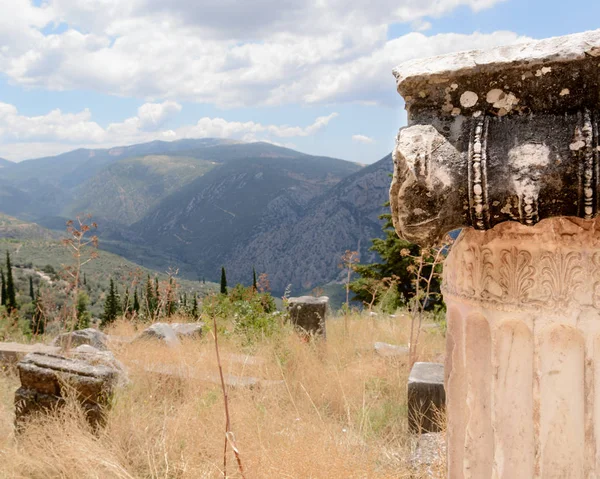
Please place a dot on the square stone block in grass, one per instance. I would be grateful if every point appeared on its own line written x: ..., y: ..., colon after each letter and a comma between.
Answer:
x: 426, y: 397
x: 307, y: 313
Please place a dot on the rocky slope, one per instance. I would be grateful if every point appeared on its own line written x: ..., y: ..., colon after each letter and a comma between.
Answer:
x: 306, y: 250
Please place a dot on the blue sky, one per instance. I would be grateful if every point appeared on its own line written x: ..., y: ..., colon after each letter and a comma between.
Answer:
x: 312, y: 75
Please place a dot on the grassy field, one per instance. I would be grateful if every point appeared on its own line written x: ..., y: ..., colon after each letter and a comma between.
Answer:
x: 339, y: 412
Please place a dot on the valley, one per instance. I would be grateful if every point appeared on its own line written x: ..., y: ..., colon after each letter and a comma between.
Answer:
x: 197, y: 205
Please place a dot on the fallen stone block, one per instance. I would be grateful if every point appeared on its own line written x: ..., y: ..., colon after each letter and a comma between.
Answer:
x: 426, y: 397
x: 47, y: 379
x: 390, y: 350
x: 308, y: 313
x: 90, y: 336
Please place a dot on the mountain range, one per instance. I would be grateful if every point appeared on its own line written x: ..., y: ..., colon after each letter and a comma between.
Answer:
x: 199, y: 204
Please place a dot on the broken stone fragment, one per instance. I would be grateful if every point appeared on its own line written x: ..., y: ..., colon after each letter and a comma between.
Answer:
x: 390, y: 350
x: 188, y: 330
x: 308, y: 313
x: 171, y: 333
x: 509, y: 134
x: 90, y: 336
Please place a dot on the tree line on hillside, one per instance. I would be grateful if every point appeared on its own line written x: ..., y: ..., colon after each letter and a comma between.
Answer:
x: 149, y: 300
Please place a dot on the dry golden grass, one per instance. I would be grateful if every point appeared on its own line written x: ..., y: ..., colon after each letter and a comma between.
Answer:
x: 339, y: 413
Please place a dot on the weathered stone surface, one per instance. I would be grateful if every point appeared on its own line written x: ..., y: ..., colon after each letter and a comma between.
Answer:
x: 162, y: 332
x: 522, y: 357
x: 188, y: 330
x: 14, y: 352
x: 390, y: 350
x: 505, y: 135
x: 46, y: 379
x: 96, y: 357
x: 426, y: 397
x: 171, y: 333
x: 90, y: 336
x: 308, y: 313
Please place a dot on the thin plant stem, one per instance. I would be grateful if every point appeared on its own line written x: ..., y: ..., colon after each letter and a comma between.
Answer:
x: 228, y: 433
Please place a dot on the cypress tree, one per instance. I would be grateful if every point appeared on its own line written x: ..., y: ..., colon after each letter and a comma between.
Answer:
x: 150, y: 304
x: 3, y: 291
x: 194, y: 311
x: 184, y: 300
x: 84, y: 280
x: 136, y: 301
x: 31, y: 293
x: 37, y: 320
x: 11, y: 296
x: 156, y: 294
x: 254, y: 285
x: 169, y: 301
x: 223, y: 281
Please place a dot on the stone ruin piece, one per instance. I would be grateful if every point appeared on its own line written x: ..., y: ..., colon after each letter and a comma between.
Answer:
x: 46, y: 380
x: 171, y: 333
x: 426, y: 397
x: 505, y: 144
x: 390, y: 350
x: 308, y: 313
x: 90, y: 336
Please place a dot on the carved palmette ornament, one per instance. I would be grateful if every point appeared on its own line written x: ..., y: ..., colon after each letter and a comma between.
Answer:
x: 524, y: 277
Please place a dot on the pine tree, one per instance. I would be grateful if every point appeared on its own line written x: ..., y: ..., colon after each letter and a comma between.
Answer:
x: 111, y: 305
x: 11, y: 296
x: 254, y: 285
x: 31, y: 292
x: 223, y: 281
x: 194, y: 311
x: 394, y: 264
x: 136, y: 301
x: 3, y: 291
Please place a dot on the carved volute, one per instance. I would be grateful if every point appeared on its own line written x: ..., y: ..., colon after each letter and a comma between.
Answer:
x: 505, y: 135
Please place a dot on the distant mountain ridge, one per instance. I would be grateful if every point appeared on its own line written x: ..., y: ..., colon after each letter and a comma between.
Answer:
x: 200, y: 204
x: 6, y: 163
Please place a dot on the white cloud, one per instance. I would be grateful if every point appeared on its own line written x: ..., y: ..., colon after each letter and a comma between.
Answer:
x: 362, y: 139
x: 225, y: 52
x: 24, y: 137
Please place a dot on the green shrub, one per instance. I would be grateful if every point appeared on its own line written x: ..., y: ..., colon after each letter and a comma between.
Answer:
x: 252, y: 314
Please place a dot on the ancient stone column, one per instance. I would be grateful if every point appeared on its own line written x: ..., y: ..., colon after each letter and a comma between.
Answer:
x: 504, y: 144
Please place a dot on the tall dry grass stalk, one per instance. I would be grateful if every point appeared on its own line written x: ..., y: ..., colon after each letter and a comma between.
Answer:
x: 339, y: 411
